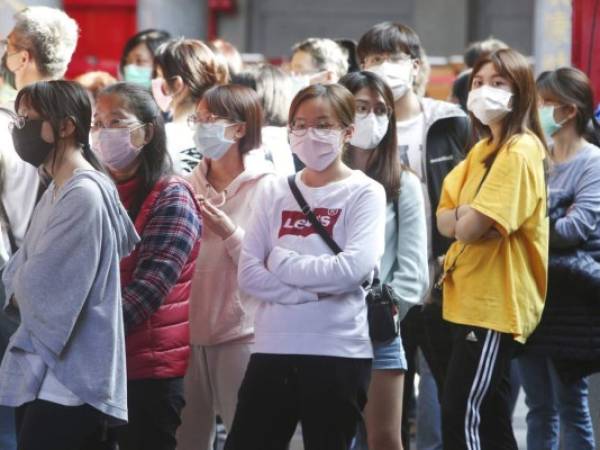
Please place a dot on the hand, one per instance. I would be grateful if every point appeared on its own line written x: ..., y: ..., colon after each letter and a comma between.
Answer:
x: 462, y: 210
x: 216, y: 220
x: 492, y: 233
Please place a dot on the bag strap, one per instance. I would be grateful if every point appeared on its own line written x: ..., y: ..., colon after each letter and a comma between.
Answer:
x: 319, y: 228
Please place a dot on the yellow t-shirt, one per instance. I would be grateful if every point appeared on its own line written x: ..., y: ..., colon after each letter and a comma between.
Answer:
x: 500, y: 283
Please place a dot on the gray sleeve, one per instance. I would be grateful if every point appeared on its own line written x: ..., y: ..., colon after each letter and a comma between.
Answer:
x: 584, y: 214
x: 53, y: 283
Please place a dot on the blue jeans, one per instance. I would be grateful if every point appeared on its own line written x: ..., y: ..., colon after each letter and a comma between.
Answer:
x: 554, y: 405
x: 429, y: 421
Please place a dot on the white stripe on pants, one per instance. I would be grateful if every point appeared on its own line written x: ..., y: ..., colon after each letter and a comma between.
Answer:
x: 479, y: 388
x: 211, y: 385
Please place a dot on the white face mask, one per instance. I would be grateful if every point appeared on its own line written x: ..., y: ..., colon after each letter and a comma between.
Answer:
x: 398, y: 76
x: 210, y: 139
x: 489, y: 104
x: 114, y: 148
x: 317, y: 149
x: 369, y: 130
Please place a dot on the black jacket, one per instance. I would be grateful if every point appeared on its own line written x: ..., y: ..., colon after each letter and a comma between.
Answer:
x: 447, y: 139
x: 569, y: 331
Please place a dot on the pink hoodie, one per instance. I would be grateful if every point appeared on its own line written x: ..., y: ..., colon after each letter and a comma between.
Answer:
x: 219, y: 313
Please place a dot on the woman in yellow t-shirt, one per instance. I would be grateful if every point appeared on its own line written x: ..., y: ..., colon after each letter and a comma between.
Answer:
x: 494, y: 205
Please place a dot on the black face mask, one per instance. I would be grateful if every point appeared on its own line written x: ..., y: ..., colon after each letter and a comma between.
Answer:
x: 29, y: 144
x: 6, y: 74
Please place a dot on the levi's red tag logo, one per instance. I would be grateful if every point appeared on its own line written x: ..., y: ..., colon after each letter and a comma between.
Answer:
x: 296, y: 223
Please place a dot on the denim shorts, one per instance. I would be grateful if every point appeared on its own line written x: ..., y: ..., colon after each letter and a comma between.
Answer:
x: 389, y: 355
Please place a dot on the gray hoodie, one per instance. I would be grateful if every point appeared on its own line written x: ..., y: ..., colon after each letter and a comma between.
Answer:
x: 65, y: 281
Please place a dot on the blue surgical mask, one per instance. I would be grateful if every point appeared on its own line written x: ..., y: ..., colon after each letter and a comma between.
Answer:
x: 141, y: 75
x: 549, y: 124
x: 210, y: 139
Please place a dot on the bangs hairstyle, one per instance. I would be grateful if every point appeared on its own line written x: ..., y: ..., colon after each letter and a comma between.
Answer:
x: 383, y: 164
x: 59, y: 100
x: 570, y: 86
x: 340, y: 99
x: 239, y: 104
x: 389, y: 37
x: 194, y: 62
x: 155, y: 161
x: 523, y: 117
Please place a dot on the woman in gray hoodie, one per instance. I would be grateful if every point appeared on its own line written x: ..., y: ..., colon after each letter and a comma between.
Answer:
x: 64, y: 369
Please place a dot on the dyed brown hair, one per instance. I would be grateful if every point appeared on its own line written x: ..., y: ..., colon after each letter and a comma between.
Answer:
x: 238, y: 104
x: 523, y: 118
x: 194, y: 62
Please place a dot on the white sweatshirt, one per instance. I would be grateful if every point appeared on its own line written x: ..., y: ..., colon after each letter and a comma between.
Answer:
x: 311, y: 301
x: 19, y: 191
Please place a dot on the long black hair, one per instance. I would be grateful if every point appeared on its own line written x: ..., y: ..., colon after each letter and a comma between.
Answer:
x: 384, y: 163
x: 59, y: 100
x: 155, y: 161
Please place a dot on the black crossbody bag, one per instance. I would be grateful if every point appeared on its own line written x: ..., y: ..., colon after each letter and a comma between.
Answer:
x: 382, y: 301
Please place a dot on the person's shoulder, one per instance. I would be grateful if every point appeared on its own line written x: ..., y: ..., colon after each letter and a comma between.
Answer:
x: 409, y: 180
x: 435, y: 107
x: 359, y: 183
x: 527, y: 144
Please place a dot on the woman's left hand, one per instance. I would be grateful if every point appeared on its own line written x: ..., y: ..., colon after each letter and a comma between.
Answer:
x: 215, y: 219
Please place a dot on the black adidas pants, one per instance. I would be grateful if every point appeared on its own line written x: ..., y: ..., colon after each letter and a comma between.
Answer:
x: 476, y: 402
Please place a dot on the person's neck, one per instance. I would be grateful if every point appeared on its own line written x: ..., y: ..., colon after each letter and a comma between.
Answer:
x: 495, y: 131
x: 407, y: 106
x: 359, y: 157
x: 62, y: 169
x: 335, y: 172
x: 182, y: 110
x: 30, y: 76
x: 566, y: 144
x: 221, y: 172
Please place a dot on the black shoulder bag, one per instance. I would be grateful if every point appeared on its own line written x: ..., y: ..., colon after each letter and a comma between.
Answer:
x: 382, y: 301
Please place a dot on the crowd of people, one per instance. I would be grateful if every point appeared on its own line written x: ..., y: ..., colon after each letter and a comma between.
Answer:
x: 205, y: 245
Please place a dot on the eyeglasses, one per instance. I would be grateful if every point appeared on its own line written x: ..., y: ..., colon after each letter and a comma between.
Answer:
x: 117, y: 124
x: 17, y: 122
x: 363, y: 109
x: 321, y: 130
x: 194, y: 119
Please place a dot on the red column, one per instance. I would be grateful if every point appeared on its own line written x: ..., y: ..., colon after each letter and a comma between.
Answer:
x: 105, y: 27
x: 586, y: 37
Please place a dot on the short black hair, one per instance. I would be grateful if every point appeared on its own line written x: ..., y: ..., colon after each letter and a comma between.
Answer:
x: 390, y: 37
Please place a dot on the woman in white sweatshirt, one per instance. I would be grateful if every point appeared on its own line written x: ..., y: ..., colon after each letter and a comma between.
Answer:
x: 227, y: 132
x: 373, y: 149
x: 311, y: 361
